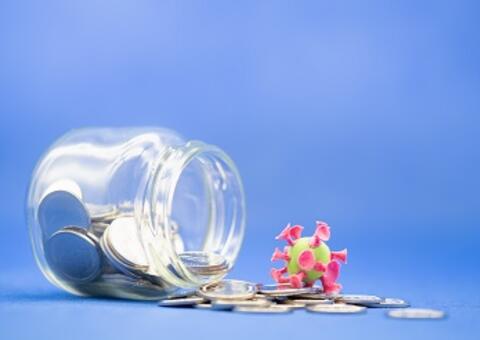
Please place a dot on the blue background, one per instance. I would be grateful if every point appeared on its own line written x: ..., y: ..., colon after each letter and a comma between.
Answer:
x: 363, y: 114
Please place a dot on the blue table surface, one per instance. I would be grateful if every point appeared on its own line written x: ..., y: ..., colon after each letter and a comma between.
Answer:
x: 362, y: 114
x: 32, y: 308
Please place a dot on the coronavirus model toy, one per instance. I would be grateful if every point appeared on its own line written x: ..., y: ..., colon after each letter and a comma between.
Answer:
x: 308, y: 259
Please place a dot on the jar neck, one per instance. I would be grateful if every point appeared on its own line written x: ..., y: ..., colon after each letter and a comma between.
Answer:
x: 197, y: 187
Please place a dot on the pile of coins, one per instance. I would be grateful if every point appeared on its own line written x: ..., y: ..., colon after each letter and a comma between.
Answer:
x: 96, y: 248
x: 246, y: 297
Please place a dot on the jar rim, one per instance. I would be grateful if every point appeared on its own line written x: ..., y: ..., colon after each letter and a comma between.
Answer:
x: 164, y: 185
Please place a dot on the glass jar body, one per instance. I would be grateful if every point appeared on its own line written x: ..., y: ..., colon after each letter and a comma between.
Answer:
x: 134, y: 212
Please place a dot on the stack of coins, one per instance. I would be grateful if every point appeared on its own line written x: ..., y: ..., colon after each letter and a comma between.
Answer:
x: 96, y: 248
x: 246, y: 297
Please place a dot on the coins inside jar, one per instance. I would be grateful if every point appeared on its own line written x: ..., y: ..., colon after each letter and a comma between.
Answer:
x: 204, y: 263
x: 104, y: 213
x: 59, y: 209
x: 228, y: 290
x: 121, y: 245
x: 74, y: 255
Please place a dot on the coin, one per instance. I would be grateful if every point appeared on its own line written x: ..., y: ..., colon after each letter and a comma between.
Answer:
x: 122, y: 286
x: 416, y: 313
x: 121, y: 245
x: 203, y: 306
x: 123, y: 283
x: 188, y: 301
x: 204, y: 263
x: 337, y: 308
x: 103, y: 213
x: 230, y: 304
x: 73, y: 255
x: 357, y: 299
x: 125, y: 279
x: 65, y: 185
x: 59, y: 209
x: 181, y: 293
x: 228, y: 290
x: 319, y: 296
x: 282, y: 290
x: 272, y: 309
x: 293, y: 304
x: 98, y: 228
x: 308, y: 302
x: 388, y: 303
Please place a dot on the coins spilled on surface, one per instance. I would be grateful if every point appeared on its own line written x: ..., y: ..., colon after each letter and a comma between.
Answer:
x: 246, y: 297
x: 417, y: 313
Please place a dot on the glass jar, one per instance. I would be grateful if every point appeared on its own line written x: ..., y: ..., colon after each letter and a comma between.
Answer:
x: 134, y: 212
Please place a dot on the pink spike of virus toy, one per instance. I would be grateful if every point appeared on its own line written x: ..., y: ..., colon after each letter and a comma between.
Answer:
x: 308, y: 259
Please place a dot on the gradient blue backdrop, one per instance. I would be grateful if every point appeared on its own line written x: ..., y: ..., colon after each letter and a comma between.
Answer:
x: 363, y: 114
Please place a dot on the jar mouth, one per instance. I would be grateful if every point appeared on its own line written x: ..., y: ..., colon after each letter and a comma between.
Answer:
x: 197, y: 199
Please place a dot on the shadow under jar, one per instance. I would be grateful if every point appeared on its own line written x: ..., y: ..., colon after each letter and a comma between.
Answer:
x: 134, y: 212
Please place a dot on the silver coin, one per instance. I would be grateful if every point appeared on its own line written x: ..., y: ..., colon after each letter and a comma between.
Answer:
x: 204, y: 263
x: 181, y: 293
x: 103, y: 213
x: 279, y: 299
x: 107, y: 267
x: 127, y: 282
x: 188, y: 301
x: 203, y: 306
x: 228, y: 290
x: 308, y: 302
x: 123, y: 248
x: 282, y: 290
x: 125, y: 206
x: 60, y: 209
x: 416, y: 313
x: 357, y: 299
x: 336, y: 308
x: 73, y: 254
x: 388, y: 303
x: 122, y: 286
x: 272, y: 309
x: 112, y: 259
x: 230, y: 304
x: 294, y: 305
x: 65, y: 185
x: 319, y: 296
x: 98, y: 228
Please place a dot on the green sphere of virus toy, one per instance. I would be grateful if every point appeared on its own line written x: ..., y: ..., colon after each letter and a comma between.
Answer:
x: 321, y: 253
